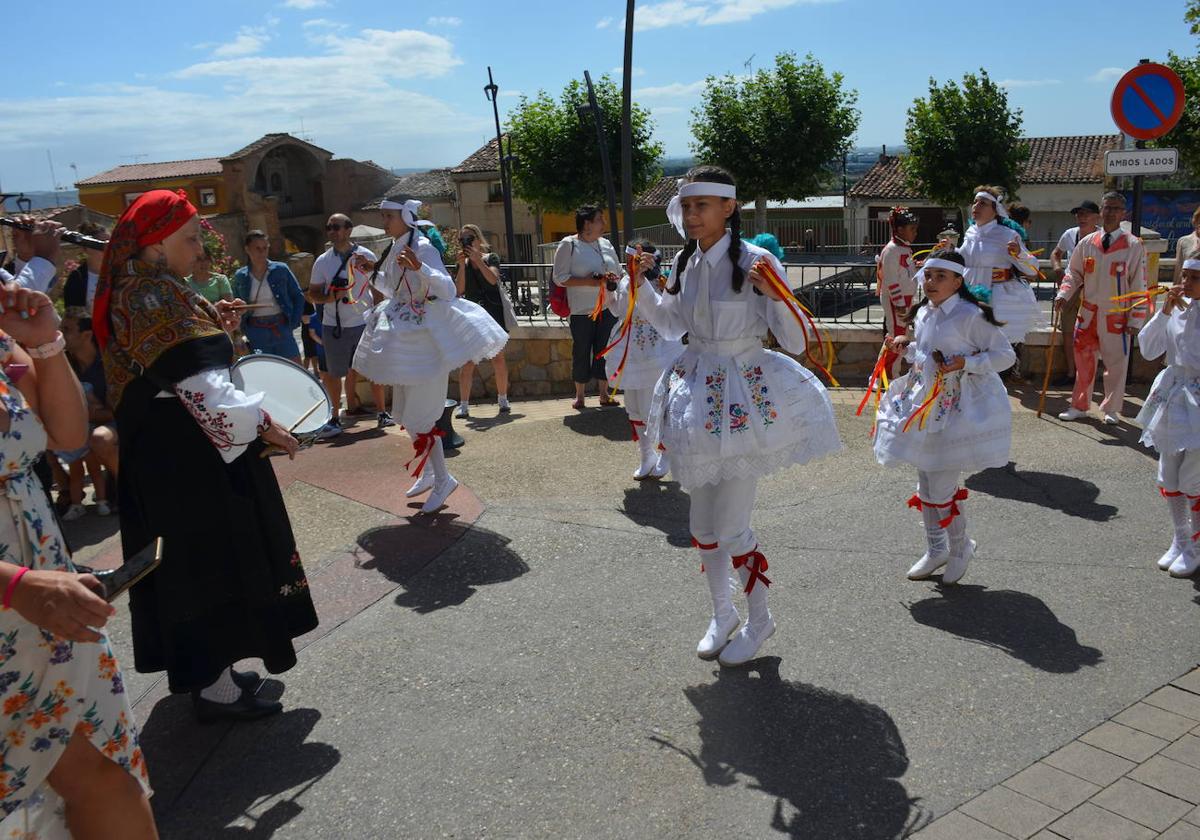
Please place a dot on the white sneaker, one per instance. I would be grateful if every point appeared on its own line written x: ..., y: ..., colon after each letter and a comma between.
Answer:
x: 74, y: 512
x: 421, y: 485
x: 1072, y: 413
x: 957, y: 566
x: 505, y: 408
x: 1185, y: 565
x: 661, y: 468
x: 1111, y: 420
x: 103, y: 508
x: 1171, y: 555
x: 440, y: 493
x: 463, y: 410
x: 745, y: 645
x: 717, y: 636
x: 927, y: 565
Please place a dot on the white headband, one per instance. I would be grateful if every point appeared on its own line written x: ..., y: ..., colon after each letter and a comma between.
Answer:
x: 408, y: 211
x: 938, y: 262
x: 1191, y: 264
x: 1000, y: 209
x: 675, y: 205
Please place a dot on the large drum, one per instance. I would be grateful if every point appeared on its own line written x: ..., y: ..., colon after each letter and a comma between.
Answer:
x: 293, y: 397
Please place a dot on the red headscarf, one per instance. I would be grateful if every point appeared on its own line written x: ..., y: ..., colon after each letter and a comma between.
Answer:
x: 150, y: 219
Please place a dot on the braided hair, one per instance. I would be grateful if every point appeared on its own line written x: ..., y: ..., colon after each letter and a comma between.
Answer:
x: 716, y: 175
x: 963, y: 291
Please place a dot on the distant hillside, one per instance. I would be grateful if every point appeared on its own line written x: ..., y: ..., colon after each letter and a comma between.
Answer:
x: 40, y: 200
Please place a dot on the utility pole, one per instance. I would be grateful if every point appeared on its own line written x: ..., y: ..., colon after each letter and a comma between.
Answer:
x: 490, y: 90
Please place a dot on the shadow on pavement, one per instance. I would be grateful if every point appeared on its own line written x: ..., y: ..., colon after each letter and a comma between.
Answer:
x: 206, y: 777
x: 832, y: 762
x: 483, y: 424
x: 610, y: 423
x: 659, y: 504
x: 1067, y: 493
x: 90, y: 529
x: 1017, y: 623
x: 433, y: 578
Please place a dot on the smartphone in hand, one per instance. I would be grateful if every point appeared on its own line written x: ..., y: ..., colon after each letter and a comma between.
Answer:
x: 117, y: 581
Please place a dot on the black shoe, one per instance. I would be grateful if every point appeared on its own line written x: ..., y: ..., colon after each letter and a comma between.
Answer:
x: 246, y: 680
x: 246, y: 707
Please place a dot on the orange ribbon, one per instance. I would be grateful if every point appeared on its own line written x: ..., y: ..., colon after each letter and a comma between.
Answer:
x: 877, y: 384
x: 923, y: 410
x: 1138, y: 298
x: 626, y: 332
x: 803, y: 317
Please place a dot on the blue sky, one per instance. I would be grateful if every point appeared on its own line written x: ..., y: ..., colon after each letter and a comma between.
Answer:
x: 401, y: 84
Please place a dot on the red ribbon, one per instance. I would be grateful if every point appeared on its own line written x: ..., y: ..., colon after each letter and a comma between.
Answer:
x: 633, y: 424
x: 703, y: 547
x: 1168, y: 493
x: 959, y: 496
x: 756, y: 563
x: 1195, y: 502
x: 423, y: 445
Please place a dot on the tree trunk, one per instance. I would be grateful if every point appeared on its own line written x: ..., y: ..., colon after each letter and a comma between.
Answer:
x: 760, y: 214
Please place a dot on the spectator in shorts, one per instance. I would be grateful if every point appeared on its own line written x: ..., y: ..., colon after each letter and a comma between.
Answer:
x: 99, y: 455
x: 271, y: 287
x: 347, y: 299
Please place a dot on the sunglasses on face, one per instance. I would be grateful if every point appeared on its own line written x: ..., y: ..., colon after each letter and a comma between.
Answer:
x: 337, y: 227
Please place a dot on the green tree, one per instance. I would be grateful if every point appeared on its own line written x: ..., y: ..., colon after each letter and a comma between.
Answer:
x: 777, y: 130
x: 960, y: 137
x: 1186, y: 135
x: 558, y: 162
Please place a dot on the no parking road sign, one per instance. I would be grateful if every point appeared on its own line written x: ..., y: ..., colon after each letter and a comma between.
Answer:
x: 1148, y: 101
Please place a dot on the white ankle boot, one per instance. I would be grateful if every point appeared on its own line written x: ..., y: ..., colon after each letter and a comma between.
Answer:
x: 962, y: 549
x: 443, y: 483
x: 938, y: 552
x: 1188, y: 561
x: 759, y: 626
x: 725, y: 616
x: 661, y: 467
x: 1181, y: 522
x: 649, y: 459
x: 421, y: 485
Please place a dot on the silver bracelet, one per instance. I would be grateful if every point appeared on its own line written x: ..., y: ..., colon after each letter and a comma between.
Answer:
x: 50, y: 348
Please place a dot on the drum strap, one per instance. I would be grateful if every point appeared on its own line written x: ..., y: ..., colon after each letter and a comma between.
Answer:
x: 337, y: 312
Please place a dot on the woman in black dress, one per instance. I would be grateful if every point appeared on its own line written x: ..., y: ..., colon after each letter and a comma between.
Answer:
x: 478, y: 280
x: 230, y: 586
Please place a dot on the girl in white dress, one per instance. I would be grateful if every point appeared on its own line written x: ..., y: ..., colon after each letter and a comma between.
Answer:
x: 727, y: 410
x: 417, y: 333
x: 997, y: 260
x: 648, y: 355
x: 950, y: 413
x: 1171, y: 415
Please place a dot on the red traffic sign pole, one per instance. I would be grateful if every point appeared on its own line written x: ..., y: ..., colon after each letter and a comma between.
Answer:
x: 1146, y: 104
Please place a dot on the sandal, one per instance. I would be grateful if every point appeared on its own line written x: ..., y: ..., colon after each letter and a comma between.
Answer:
x: 609, y: 403
x: 577, y: 405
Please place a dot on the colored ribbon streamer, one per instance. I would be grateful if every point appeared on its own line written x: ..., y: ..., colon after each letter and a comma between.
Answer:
x: 354, y: 293
x: 804, y: 317
x: 1138, y: 298
x: 923, y: 410
x: 877, y: 384
x: 626, y: 332
x: 756, y: 563
x: 423, y: 446
x: 960, y: 495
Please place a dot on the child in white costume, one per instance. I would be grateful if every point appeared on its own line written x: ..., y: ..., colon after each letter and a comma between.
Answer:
x: 950, y: 413
x: 727, y: 410
x: 997, y: 260
x: 417, y: 333
x: 1171, y: 415
x: 649, y: 355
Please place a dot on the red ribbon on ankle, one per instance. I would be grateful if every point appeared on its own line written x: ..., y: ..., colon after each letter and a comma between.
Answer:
x: 756, y: 563
x: 1195, y: 502
x: 959, y: 495
x: 423, y: 445
x: 1167, y: 494
x: 633, y: 424
x: 703, y: 547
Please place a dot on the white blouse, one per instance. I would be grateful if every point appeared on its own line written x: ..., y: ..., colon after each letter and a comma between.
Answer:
x: 1177, y: 335
x: 958, y: 328
x: 985, y: 247
x: 404, y: 285
x: 229, y: 418
x: 722, y: 314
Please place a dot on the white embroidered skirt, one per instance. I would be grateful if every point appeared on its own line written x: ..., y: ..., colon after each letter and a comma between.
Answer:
x: 1170, y: 417
x: 649, y: 355
x: 406, y: 343
x: 740, y: 413
x: 968, y: 427
x: 1015, y: 304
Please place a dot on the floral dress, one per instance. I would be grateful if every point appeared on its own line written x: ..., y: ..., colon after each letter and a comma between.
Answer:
x: 51, y: 687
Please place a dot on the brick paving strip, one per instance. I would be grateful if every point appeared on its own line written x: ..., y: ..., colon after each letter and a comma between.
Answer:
x: 1133, y: 777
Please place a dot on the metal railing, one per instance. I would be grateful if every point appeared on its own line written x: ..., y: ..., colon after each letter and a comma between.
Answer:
x: 836, y: 293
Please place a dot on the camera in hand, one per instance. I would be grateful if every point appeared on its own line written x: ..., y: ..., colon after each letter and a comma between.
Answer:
x: 466, y: 242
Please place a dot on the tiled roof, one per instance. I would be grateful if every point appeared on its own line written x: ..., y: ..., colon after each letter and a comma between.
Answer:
x: 266, y: 140
x: 1052, y: 160
x: 659, y: 193
x: 155, y: 171
x: 485, y: 159
x: 427, y: 186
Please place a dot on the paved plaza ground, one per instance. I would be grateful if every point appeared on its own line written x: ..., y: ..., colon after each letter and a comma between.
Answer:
x: 523, y: 666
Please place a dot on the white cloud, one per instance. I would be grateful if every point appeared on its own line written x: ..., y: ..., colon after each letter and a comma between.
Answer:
x: 444, y: 21
x: 511, y: 93
x: 248, y: 41
x: 1107, y: 74
x: 675, y: 90
x: 620, y: 71
x: 709, y: 12
x: 1028, y: 83
x: 324, y: 23
x: 304, y: 4
x: 604, y: 23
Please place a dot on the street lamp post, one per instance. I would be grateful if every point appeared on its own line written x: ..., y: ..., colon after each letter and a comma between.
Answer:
x: 490, y: 90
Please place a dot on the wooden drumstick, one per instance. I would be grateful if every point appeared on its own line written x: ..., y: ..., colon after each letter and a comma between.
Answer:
x: 271, y: 449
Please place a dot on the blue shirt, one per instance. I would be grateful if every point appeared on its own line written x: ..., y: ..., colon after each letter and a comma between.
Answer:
x: 283, y: 285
